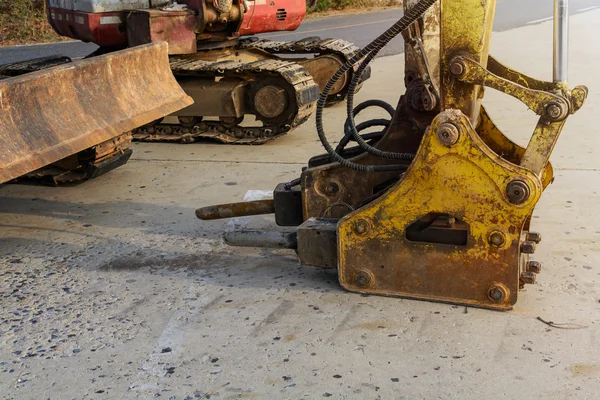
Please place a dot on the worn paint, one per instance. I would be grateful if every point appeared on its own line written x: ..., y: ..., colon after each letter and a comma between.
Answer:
x: 466, y: 181
x: 50, y: 114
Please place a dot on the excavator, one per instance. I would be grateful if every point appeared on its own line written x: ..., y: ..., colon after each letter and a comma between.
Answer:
x: 195, y: 62
x: 438, y: 205
x: 218, y: 62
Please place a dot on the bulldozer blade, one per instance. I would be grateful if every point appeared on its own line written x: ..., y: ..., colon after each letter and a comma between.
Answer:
x: 50, y: 114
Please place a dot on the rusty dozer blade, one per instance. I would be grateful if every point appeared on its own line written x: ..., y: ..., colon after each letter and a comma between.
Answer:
x: 48, y: 115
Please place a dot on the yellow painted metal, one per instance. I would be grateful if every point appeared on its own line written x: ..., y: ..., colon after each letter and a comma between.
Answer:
x: 48, y: 115
x: 481, y: 186
x: 466, y: 28
x: 497, y: 68
x: 504, y: 147
x: 546, y: 135
x: 536, y: 100
x: 467, y: 181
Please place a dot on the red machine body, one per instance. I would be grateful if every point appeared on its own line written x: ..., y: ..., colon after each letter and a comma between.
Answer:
x: 108, y: 24
x: 273, y: 16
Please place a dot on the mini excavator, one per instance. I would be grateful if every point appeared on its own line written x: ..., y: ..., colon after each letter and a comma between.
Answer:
x: 438, y: 206
x: 195, y: 61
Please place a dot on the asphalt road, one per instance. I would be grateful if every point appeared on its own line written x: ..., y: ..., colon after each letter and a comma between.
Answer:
x: 358, y: 28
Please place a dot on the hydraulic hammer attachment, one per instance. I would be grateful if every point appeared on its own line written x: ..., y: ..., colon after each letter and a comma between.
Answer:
x: 438, y: 206
x: 51, y: 114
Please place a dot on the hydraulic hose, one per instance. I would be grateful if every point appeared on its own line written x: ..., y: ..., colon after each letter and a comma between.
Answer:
x: 368, y: 53
x: 367, y: 124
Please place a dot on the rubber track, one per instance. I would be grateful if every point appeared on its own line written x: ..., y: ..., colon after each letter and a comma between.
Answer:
x: 33, y: 65
x: 310, y: 45
x: 298, y: 78
x: 253, y: 135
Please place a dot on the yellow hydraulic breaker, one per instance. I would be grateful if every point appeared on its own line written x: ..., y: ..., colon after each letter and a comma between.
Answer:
x: 48, y: 115
x: 439, y: 207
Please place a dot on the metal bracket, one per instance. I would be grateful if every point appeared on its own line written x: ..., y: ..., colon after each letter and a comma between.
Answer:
x: 553, y: 107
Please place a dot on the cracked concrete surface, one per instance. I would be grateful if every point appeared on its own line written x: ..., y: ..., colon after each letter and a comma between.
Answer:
x: 112, y: 288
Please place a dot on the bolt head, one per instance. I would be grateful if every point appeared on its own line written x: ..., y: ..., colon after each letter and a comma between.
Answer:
x: 498, y: 293
x: 363, y: 279
x: 534, y: 237
x: 361, y: 226
x: 448, y: 134
x: 517, y: 192
x: 497, y: 239
x: 555, y: 111
x: 534, y: 266
x: 457, y: 68
x: 528, y: 247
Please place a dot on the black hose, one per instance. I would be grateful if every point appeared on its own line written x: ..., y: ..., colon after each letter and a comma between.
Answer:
x: 361, y: 127
x: 367, y: 124
x: 368, y: 53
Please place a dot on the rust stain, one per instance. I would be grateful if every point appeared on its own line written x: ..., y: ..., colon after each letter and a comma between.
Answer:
x: 51, y: 114
x: 581, y: 369
x: 372, y: 325
x: 289, y: 338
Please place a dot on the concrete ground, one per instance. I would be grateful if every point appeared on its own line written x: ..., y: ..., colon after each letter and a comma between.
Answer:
x: 112, y: 289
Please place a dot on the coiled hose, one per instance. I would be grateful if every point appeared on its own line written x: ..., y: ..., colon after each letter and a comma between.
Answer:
x: 368, y: 53
x: 373, y: 137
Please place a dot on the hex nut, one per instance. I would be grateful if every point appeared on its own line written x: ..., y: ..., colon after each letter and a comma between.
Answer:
x: 457, y: 68
x: 528, y: 247
x: 448, y: 134
x: 363, y: 279
x: 497, y: 239
x: 534, y: 266
x: 534, y: 237
x: 517, y: 192
x: 528, y: 278
x: 498, y: 293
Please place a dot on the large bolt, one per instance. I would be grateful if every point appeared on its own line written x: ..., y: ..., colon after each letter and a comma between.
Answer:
x: 527, y: 277
x: 517, y: 192
x: 458, y: 68
x: 361, y: 226
x: 528, y: 247
x: 534, y: 237
x: 498, y: 293
x: 448, y: 134
x: 332, y: 188
x: 555, y: 111
x: 497, y: 239
x: 363, y: 279
x: 534, y: 266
